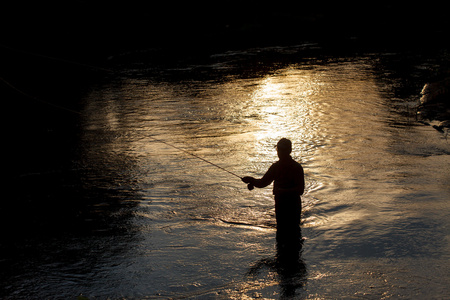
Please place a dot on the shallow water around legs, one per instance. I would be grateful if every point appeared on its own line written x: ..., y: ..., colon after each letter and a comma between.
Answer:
x: 375, y: 211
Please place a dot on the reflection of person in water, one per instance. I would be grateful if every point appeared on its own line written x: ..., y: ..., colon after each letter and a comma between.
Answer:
x: 289, y: 184
x: 288, y: 265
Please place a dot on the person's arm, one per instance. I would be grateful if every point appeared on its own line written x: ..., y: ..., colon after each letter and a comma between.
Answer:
x: 262, y: 182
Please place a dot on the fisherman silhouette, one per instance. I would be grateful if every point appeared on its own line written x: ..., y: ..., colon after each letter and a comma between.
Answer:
x: 289, y: 185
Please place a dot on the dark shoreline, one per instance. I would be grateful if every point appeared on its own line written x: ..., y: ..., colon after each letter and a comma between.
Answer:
x: 92, y: 31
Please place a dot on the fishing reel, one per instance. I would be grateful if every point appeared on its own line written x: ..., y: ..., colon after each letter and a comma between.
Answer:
x: 250, y: 186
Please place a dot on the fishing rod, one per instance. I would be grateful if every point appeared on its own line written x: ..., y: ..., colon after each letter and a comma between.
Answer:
x: 196, y: 156
x: 79, y: 113
x: 250, y: 187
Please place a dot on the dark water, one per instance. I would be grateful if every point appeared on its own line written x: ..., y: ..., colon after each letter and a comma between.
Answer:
x: 147, y: 221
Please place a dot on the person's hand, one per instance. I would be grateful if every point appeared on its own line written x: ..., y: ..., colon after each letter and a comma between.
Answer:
x: 247, y: 179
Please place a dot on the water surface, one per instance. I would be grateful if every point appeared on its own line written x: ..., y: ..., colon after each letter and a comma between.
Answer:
x: 162, y: 223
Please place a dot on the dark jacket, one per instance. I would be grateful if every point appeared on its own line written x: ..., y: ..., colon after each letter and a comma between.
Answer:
x: 288, y: 178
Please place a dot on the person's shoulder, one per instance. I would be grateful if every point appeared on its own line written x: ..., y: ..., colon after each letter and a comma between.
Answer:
x: 275, y: 165
x: 297, y: 164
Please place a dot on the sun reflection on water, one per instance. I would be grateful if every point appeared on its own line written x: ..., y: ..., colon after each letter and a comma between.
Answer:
x: 336, y: 119
x: 285, y: 105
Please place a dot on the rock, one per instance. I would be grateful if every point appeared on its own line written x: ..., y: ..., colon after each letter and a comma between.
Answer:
x: 434, y: 90
x: 435, y: 104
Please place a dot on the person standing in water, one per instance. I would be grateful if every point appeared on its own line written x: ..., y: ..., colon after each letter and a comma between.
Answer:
x: 289, y: 185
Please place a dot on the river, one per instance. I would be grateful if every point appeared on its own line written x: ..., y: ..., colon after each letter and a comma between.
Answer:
x: 160, y: 223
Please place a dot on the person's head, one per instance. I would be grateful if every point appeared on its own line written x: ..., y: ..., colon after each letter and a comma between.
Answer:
x: 284, y: 148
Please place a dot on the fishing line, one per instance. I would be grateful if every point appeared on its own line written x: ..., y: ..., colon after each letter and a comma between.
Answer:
x: 38, y: 99
x: 196, y: 156
x: 79, y: 113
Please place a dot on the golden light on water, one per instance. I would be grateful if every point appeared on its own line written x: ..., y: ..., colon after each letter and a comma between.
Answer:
x: 238, y: 122
x: 285, y: 103
x: 339, y: 122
